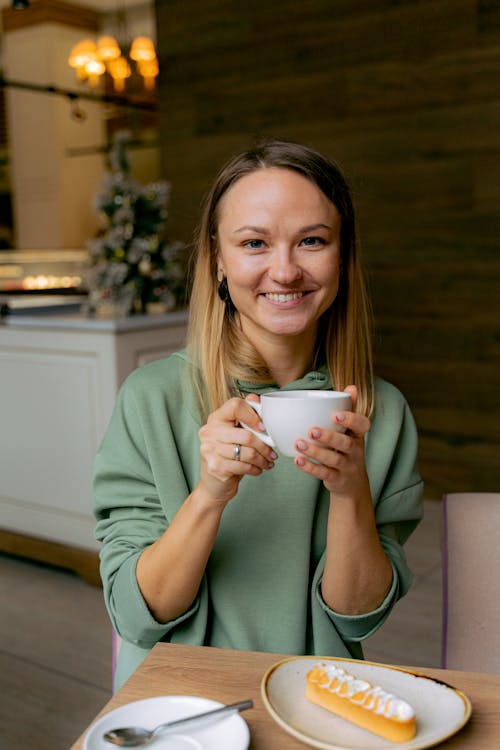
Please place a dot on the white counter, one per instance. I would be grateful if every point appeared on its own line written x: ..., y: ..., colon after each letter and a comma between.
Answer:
x: 80, y: 322
x: 59, y: 377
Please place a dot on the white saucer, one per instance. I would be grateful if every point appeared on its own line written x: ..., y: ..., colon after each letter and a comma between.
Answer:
x: 231, y: 731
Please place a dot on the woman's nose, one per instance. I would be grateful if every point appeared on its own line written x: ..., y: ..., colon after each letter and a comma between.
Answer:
x: 284, y: 268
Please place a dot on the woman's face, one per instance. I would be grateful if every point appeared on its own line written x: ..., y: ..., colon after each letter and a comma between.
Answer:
x: 279, y: 247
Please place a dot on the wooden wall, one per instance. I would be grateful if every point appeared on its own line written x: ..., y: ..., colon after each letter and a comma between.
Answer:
x: 405, y: 95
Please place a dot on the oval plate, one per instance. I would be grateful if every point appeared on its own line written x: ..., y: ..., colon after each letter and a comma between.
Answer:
x: 441, y: 710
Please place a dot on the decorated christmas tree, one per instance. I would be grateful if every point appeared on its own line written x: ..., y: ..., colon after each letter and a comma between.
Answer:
x: 130, y: 259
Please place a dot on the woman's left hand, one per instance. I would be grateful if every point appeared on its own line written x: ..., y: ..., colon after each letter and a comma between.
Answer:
x: 340, y: 456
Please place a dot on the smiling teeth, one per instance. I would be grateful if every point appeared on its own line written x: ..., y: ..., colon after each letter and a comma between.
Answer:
x: 284, y: 297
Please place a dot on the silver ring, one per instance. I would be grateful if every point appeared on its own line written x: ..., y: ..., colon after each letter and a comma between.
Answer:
x: 237, y: 451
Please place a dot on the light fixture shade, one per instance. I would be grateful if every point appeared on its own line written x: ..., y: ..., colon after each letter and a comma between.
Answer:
x: 142, y: 49
x: 108, y: 48
x: 119, y: 70
x: 148, y: 70
x: 94, y: 68
x: 82, y: 53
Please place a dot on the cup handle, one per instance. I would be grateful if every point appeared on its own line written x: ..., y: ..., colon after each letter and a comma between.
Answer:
x: 267, y: 439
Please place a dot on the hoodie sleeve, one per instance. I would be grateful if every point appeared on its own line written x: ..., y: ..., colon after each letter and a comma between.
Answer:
x: 396, y: 487
x: 129, y: 509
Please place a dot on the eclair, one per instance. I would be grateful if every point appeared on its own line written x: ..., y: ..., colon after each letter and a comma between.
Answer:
x: 366, y: 705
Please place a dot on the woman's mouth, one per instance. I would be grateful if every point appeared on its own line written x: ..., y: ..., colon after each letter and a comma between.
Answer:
x: 283, y: 296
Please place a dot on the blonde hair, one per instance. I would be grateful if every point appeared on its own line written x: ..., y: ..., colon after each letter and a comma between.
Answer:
x: 218, y: 350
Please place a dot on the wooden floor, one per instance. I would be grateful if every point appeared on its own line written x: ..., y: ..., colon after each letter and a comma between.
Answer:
x: 55, y: 652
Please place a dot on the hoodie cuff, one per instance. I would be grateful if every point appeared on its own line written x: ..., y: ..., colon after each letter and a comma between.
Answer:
x: 359, y: 627
x: 139, y: 626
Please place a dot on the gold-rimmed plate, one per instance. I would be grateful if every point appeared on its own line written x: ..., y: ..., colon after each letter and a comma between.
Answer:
x: 440, y: 709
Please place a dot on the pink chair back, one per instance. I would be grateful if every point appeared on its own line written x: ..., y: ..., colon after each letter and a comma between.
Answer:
x: 471, y: 582
x: 116, y: 642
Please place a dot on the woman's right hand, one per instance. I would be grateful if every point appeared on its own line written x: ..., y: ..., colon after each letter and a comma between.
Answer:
x: 221, y: 471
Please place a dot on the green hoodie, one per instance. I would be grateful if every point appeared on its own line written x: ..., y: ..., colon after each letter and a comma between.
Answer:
x: 273, y: 531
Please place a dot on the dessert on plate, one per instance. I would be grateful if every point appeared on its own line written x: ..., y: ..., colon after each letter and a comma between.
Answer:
x: 357, y: 700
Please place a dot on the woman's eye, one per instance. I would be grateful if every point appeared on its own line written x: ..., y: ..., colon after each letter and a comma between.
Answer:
x: 313, y: 241
x: 254, y: 244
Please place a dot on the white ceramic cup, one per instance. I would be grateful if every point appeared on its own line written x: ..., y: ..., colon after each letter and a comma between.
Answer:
x: 289, y: 415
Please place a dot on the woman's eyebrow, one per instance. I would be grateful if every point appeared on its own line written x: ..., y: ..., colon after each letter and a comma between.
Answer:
x: 249, y: 228
x: 263, y: 230
x: 312, y: 227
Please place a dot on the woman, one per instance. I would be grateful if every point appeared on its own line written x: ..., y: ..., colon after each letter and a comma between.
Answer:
x: 210, y: 538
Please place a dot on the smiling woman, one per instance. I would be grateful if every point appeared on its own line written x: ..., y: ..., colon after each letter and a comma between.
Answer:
x: 211, y: 538
x: 279, y: 248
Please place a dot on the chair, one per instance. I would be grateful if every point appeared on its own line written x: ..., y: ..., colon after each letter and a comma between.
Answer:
x: 116, y: 643
x: 471, y: 581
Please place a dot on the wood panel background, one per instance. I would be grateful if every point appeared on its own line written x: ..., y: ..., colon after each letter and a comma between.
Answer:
x: 405, y: 95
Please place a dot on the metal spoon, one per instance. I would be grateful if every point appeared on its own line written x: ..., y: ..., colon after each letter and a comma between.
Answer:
x: 138, y: 736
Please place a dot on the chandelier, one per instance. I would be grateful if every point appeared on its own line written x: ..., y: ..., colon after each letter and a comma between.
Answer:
x: 91, y: 60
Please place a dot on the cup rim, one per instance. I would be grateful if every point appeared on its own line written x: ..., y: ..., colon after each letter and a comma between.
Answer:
x: 306, y: 394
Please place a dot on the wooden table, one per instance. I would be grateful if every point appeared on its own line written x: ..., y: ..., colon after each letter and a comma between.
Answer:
x: 226, y: 676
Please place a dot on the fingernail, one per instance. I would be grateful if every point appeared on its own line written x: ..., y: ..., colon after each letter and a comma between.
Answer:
x: 300, y: 445
x: 270, y: 465
x: 299, y: 461
x: 340, y: 417
x: 262, y: 426
x: 274, y: 455
x: 316, y: 434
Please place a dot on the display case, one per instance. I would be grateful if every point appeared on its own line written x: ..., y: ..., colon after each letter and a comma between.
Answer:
x: 41, y: 281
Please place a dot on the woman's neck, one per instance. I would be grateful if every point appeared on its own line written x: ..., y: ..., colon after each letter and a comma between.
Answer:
x: 288, y: 358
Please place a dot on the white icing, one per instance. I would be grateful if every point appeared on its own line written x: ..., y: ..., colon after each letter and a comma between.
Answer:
x: 362, y: 693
